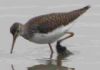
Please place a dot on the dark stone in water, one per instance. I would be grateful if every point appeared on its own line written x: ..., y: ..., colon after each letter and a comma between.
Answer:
x: 62, y: 50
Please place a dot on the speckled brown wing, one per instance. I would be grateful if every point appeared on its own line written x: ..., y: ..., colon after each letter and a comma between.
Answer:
x: 49, y: 22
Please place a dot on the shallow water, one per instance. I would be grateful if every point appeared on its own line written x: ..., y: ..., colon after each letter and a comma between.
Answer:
x: 85, y: 45
x: 84, y: 57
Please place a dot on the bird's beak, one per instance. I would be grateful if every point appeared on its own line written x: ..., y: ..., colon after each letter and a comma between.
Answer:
x: 14, y: 40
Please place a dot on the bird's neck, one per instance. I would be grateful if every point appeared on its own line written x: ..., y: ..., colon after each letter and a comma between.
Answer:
x: 21, y: 29
x: 24, y: 33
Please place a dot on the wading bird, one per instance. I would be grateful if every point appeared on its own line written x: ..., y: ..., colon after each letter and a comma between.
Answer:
x: 48, y: 28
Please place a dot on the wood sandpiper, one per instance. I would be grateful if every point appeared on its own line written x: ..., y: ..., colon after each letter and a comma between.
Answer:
x: 48, y: 28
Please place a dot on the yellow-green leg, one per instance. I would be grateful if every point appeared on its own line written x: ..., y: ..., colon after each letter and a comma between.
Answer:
x: 71, y: 34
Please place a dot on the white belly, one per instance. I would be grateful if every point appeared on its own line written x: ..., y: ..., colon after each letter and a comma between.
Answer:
x: 51, y: 36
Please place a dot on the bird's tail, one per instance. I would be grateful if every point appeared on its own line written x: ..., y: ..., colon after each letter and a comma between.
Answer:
x: 85, y: 8
x: 72, y: 15
x: 82, y: 10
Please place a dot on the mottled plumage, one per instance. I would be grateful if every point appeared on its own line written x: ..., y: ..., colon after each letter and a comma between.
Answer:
x: 46, y: 29
x: 47, y: 23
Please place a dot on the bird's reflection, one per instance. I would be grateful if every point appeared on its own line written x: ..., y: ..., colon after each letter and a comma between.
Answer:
x: 12, y: 67
x: 55, y: 65
x: 51, y: 65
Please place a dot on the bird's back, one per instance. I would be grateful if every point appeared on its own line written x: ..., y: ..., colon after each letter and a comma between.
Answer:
x: 49, y: 22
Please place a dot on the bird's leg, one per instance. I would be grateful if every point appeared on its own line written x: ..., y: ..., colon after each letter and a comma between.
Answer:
x: 51, y: 50
x: 71, y: 34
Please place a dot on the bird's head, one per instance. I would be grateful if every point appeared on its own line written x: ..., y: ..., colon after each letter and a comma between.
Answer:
x: 15, y: 31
